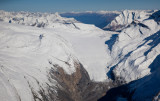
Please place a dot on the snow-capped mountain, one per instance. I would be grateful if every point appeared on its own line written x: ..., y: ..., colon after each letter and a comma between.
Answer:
x: 50, y: 63
x: 36, y: 19
x: 27, y: 62
x: 134, y: 49
x: 127, y: 17
x: 45, y: 57
x: 99, y: 18
x: 136, y: 56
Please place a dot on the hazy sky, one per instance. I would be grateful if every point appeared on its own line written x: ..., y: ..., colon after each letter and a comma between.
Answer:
x: 76, y: 5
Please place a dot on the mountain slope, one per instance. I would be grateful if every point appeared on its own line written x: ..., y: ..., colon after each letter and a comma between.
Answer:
x: 26, y: 60
x: 135, y: 49
x: 46, y: 63
x: 136, y: 57
x: 127, y: 17
x: 65, y: 60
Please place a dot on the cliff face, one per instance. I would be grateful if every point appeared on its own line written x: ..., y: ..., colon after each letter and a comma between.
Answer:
x: 75, y: 87
x: 78, y: 86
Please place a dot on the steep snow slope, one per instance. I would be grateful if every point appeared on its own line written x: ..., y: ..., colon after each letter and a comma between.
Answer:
x: 126, y: 17
x: 136, y: 55
x: 87, y: 40
x: 90, y: 48
x: 135, y: 49
x: 146, y: 88
x: 149, y: 86
x: 46, y: 60
x: 99, y: 18
x: 25, y: 61
x: 39, y: 64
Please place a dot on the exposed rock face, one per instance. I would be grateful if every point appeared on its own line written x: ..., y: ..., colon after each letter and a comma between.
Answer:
x: 78, y: 86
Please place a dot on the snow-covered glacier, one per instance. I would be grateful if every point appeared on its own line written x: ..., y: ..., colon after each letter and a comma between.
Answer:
x: 46, y: 57
x: 50, y: 62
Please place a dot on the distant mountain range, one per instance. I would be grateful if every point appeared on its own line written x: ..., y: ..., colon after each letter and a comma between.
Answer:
x: 99, y: 18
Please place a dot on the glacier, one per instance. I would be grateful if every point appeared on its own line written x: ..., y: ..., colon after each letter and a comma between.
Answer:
x: 46, y: 57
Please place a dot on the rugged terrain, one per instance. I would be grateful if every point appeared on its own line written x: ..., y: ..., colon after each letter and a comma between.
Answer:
x: 41, y: 63
x: 137, y: 60
x: 46, y: 57
x: 126, y: 17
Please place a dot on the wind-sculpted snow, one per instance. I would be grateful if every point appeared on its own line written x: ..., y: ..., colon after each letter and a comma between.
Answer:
x: 126, y: 18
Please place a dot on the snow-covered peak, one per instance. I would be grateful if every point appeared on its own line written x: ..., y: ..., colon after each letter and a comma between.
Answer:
x: 135, y: 65
x: 35, y: 19
x: 134, y: 49
x: 127, y: 17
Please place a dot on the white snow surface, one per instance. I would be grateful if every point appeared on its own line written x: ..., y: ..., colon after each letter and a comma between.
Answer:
x: 126, y: 17
x: 86, y: 41
x: 35, y: 19
x: 89, y: 46
x: 24, y: 60
x: 135, y: 49
x: 25, y: 57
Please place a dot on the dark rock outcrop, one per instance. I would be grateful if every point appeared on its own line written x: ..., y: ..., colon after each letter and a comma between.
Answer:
x: 77, y: 86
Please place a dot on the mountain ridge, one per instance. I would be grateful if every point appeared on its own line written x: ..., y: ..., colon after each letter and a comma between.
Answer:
x: 63, y: 59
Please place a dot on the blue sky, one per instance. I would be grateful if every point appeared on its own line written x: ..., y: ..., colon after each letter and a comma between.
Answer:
x: 76, y: 5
